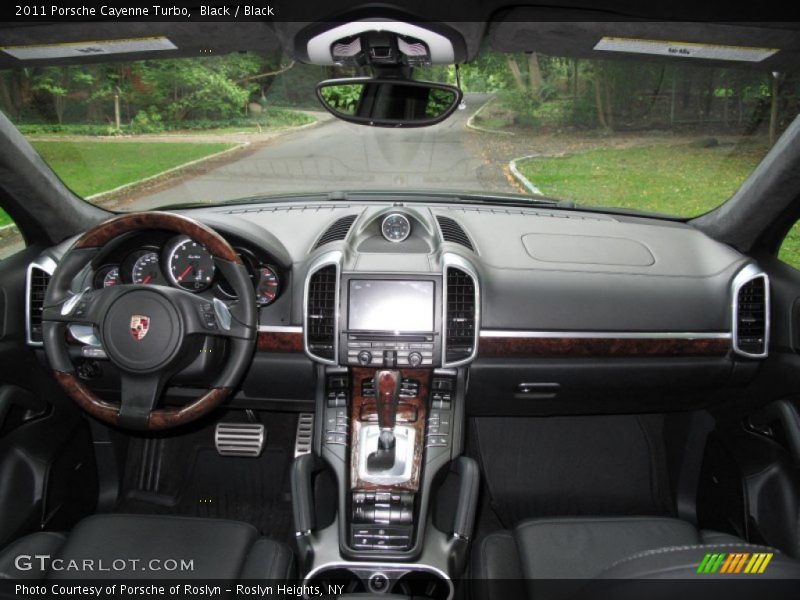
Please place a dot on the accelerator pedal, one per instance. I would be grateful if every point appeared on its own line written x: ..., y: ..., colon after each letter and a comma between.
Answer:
x: 240, y: 439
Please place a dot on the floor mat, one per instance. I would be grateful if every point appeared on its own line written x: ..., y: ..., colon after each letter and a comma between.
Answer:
x: 569, y: 466
x: 185, y: 476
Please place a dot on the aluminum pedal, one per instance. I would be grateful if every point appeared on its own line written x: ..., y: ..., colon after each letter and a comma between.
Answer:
x: 239, y: 439
x: 305, y: 434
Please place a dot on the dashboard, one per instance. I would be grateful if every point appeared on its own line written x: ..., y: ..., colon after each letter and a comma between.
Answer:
x: 548, y: 309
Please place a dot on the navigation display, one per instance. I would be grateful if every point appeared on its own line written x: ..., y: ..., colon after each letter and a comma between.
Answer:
x: 391, y: 305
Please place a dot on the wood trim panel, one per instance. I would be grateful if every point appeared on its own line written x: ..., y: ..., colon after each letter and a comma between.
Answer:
x: 105, y: 232
x: 409, y: 410
x: 279, y: 341
x: 160, y: 418
x: 601, y: 347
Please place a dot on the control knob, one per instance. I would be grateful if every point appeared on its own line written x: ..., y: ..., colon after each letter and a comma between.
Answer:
x: 414, y: 359
x: 364, y: 357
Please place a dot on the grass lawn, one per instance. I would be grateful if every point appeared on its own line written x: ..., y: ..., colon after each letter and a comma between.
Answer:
x: 92, y: 167
x: 682, y: 180
x: 671, y: 179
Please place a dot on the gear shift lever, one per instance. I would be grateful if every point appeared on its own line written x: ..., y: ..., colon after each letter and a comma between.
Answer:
x: 386, y: 398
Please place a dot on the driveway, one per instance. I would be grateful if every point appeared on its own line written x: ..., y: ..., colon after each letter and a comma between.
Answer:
x: 340, y: 156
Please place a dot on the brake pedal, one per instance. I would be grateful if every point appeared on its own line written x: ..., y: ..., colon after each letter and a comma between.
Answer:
x: 239, y: 439
x: 305, y: 434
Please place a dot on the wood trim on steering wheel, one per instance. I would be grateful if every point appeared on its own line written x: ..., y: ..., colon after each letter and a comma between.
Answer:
x: 160, y: 418
x: 105, y: 232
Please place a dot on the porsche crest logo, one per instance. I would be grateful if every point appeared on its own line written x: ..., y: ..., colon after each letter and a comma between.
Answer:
x: 140, y: 325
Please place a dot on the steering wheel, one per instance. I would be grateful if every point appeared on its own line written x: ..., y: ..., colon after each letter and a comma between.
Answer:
x: 149, y: 332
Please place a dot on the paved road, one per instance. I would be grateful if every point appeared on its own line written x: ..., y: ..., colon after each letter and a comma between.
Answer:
x: 340, y: 156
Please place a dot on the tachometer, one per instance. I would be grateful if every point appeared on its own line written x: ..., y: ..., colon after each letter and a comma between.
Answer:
x: 267, y: 286
x: 146, y: 269
x: 189, y: 264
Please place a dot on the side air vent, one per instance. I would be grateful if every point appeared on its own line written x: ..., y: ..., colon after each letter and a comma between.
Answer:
x: 321, y: 299
x: 337, y: 231
x: 453, y: 232
x: 38, y: 279
x: 751, y: 313
x: 460, y: 316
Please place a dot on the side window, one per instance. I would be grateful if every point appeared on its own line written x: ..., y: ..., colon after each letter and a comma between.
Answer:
x: 11, y: 241
x: 790, y: 247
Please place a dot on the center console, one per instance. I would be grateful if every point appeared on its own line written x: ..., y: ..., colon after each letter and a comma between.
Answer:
x: 388, y: 428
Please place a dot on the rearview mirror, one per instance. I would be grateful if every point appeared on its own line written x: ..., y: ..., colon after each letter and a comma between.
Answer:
x: 388, y: 102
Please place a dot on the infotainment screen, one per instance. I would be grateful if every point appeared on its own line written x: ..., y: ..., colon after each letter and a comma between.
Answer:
x: 391, y: 305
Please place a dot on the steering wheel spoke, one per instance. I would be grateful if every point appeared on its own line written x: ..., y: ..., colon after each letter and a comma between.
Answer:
x: 139, y: 396
x: 212, y: 317
x: 83, y: 307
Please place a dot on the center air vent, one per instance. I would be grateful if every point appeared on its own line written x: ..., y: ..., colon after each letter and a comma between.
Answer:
x: 37, y: 288
x: 321, y: 302
x: 460, y: 316
x: 751, y: 314
x: 453, y: 232
x: 337, y: 231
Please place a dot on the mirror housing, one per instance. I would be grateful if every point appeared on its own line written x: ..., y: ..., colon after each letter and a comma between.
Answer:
x: 388, y: 102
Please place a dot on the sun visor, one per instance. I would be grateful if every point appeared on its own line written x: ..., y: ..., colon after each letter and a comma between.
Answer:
x: 100, y: 42
x: 767, y: 46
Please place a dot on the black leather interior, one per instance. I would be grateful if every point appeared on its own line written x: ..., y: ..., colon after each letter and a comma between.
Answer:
x: 218, y: 549
x: 585, y: 548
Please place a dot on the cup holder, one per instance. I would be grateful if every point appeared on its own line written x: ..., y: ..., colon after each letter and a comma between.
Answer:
x: 326, y: 579
x: 420, y: 583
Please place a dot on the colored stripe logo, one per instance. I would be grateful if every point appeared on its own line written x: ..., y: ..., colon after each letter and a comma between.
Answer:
x: 734, y: 563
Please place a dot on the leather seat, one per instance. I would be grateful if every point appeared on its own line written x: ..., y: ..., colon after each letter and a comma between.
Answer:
x: 126, y: 545
x: 586, y: 548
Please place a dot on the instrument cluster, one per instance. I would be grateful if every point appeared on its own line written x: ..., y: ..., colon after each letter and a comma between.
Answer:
x: 182, y: 262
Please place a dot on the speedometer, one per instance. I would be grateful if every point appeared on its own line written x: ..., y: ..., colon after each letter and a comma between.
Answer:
x: 396, y: 227
x: 189, y: 264
x: 146, y: 269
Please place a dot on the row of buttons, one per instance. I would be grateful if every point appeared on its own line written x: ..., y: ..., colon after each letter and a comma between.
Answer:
x: 337, y: 399
x: 366, y: 537
x: 441, y: 401
x: 336, y: 421
x: 382, y: 508
x: 336, y: 426
x: 207, y: 315
x: 439, y: 418
x: 361, y: 497
x: 391, y: 345
x: 409, y: 388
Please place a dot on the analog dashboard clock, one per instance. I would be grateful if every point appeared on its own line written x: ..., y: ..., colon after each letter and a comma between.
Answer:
x: 395, y: 227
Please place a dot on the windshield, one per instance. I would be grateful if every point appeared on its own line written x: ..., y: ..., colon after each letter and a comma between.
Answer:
x: 675, y: 138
